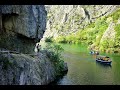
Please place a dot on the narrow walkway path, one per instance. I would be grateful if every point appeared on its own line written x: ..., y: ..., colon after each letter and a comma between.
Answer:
x: 15, y: 52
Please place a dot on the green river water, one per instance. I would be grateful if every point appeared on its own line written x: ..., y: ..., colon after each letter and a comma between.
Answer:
x: 84, y: 70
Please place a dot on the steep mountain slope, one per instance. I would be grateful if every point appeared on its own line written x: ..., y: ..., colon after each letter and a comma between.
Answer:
x: 94, y: 25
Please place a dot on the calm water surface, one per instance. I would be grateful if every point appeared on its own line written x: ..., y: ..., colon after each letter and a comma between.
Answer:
x: 84, y: 70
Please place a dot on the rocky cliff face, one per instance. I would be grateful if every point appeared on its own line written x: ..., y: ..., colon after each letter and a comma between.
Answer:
x: 67, y: 19
x: 95, y: 25
x: 22, y: 69
x: 21, y: 26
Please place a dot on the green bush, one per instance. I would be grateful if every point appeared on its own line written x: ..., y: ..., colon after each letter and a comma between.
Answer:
x: 117, y: 36
x: 105, y: 44
x: 116, y: 15
x: 91, y: 25
x: 49, y: 39
x: 102, y: 48
x: 54, y: 53
x: 60, y: 39
x: 111, y: 43
x: 117, y: 29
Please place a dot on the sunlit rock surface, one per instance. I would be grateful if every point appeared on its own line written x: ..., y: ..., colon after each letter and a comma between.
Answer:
x: 68, y: 19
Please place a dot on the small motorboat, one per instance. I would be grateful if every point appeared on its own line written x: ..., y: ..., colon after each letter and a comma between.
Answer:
x: 103, y: 59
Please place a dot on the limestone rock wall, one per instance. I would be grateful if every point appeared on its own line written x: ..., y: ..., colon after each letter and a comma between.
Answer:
x: 68, y: 19
x: 22, y: 26
x: 21, y: 69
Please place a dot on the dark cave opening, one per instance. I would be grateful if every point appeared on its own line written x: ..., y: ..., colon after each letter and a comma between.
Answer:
x: 8, y: 20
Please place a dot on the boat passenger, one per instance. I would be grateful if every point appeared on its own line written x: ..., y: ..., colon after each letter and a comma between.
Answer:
x: 92, y: 51
x: 97, y: 53
x: 101, y: 58
x: 108, y: 58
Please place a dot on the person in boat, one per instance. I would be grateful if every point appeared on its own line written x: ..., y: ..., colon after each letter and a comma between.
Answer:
x: 97, y: 53
x: 105, y: 58
x: 92, y: 51
x: 100, y: 57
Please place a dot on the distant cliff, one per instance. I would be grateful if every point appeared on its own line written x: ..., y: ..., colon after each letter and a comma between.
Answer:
x: 67, y: 19
x: 95, y: 25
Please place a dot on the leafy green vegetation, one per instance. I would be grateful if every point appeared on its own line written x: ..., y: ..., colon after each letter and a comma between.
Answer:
x: 54, y: 53
x: 91, y: 34
x: 115, y: 15
x: 48, y: 39
x: 60, y: 39
x: 117, y: 38
x: 88, y: 35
